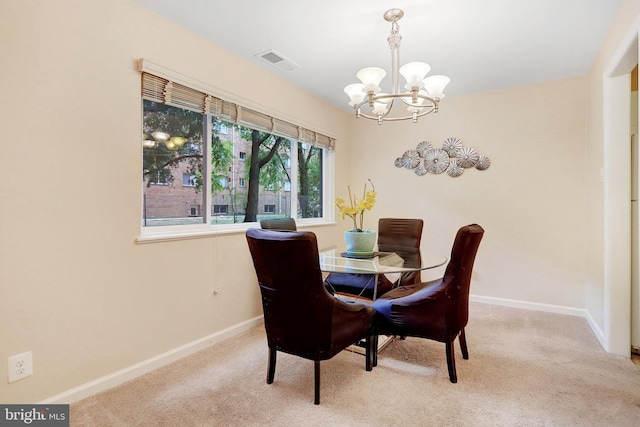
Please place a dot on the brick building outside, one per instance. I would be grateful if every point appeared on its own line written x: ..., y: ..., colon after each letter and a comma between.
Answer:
x: 178, y: 201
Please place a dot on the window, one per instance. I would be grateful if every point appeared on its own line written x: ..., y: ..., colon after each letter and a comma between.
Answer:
x: 188, y: 180
x: 159, y: 178
x: 207, y: 142
x: 172, y: 149
x: 220, y: 209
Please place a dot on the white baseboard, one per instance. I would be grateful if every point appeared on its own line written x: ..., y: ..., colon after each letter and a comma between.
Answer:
x: 596, y: 329
x: 119, y: 377
x: 549, y: 308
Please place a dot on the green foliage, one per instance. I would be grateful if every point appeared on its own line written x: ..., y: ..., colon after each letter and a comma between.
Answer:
x: 159, y: 161
x: 266, y: 167
x: 309, y: 181
x: 266, y: 163
x: 274, y: 173
x: 221, y: 158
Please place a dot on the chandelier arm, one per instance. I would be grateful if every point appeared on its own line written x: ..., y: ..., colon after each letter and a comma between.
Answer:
x: 428, y: 110
x: 386, y: 113
x: 434, y: 101
x: 404, y: 97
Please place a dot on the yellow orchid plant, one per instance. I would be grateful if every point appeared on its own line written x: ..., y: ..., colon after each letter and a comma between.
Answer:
x: 355, y: 209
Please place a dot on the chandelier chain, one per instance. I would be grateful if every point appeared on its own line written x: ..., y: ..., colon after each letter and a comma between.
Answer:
x: 394, y: 38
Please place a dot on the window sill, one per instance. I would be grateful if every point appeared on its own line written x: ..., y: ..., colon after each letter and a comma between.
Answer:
x: 168, y: 234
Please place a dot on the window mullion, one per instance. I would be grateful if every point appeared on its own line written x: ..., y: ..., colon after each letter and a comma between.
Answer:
x: 328, y: 186
x: 206, y: 173
x: 294, y: 178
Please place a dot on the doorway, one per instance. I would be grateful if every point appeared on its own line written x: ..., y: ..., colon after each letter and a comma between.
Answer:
x: 635, y: 216
x: 617, y: 200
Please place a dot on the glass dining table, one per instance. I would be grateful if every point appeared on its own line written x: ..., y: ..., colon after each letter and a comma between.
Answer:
x: 388, y: 263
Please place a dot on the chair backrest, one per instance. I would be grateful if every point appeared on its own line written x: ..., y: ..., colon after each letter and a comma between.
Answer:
x: 457, y: 276
x: 288, y: 224
x: 402, y: 236
x: 297, y: 307
x: 402, y: 232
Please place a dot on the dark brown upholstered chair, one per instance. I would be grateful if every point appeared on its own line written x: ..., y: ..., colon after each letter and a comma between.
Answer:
x: 399, y: 235
x: 300, y: 316
x: 288, y: 224
x: 437, y: 310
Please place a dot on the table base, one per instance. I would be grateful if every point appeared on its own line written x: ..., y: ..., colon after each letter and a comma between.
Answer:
x: 360, y: 348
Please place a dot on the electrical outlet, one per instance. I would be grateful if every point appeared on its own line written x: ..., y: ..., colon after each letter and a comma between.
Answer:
x: 20, y: 366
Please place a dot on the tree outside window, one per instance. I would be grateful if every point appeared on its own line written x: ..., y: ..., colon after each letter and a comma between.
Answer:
x: 259, y: 162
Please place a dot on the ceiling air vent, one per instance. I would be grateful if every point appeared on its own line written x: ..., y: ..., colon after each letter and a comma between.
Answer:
x: 278, y: 60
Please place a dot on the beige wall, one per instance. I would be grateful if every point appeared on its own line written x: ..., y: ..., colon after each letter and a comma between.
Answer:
x: 531, y: 201
x: 88, y: 301
x: 75, y: 287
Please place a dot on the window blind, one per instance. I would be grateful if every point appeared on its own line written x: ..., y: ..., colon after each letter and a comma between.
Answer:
x: 159, y: 89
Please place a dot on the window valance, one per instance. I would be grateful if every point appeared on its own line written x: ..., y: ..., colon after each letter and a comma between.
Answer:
x: 159, y: 89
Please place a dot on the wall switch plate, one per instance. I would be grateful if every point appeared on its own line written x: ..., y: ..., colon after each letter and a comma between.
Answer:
x: 20, y: 366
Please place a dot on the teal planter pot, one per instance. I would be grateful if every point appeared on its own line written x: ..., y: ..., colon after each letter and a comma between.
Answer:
x: 360, y: 242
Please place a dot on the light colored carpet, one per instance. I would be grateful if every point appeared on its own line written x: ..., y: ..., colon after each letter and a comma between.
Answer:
x: 526, y: 368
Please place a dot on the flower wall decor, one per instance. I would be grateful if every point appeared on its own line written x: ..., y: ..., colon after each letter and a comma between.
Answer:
x: 355, y: 208
x: 453, y: 158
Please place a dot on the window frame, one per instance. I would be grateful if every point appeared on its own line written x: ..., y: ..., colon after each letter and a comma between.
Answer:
x: 191, y: 182
x: 226, y: 210
x: 188, y: 231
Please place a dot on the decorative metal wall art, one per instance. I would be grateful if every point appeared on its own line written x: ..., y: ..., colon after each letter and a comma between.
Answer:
x: 452, y: 158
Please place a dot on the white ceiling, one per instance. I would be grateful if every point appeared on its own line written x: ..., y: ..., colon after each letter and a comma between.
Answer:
x: 481, y: 45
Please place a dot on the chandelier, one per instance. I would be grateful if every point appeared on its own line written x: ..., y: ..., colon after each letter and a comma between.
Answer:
x: 422, y: 95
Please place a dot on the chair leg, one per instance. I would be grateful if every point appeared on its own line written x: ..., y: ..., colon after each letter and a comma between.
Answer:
x: 271, y: 371
x: 463, y: 345
x: 316, y: 366
x: 374, y: 357
x: 451, y: 363
x: 369, y: 352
